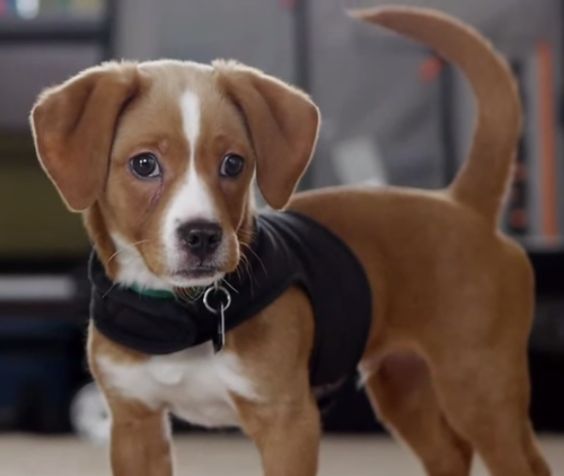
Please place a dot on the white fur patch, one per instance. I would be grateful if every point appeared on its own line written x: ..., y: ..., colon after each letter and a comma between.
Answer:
x: 190, y: 110
x: 195, y: 384
x: 193, y: 199
x: 132, y: 268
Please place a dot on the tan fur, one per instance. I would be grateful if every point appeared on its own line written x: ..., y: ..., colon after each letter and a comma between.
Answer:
x: 445, y: 365
x: 140, y: 435
x: 283, y: 124
x: 77, y: 127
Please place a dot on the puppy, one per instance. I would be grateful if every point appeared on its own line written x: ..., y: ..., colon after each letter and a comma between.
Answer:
x: 159, y: 158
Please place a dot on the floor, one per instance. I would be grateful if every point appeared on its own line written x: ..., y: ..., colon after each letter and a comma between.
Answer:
x: 215, y: 455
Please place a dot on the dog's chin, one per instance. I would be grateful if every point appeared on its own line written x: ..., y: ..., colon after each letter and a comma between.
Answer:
x: 197, y: 277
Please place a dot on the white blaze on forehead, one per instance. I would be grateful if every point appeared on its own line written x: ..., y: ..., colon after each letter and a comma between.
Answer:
x: 190, y: 109
x: 192, y: 199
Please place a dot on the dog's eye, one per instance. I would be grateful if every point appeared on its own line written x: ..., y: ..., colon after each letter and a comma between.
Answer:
x: 145, y: 165
x: 231, y: 166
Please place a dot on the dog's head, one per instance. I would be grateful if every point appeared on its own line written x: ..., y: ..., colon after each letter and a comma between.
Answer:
x: 160, y: 157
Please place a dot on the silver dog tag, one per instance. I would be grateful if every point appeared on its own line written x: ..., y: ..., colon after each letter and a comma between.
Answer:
x: 217, y: 290
x: 219, y: 341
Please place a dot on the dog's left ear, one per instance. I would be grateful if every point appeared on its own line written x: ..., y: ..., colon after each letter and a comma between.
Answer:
x: 283, y: 123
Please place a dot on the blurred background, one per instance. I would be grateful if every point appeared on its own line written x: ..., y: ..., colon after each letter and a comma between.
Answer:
x: 393, y: 114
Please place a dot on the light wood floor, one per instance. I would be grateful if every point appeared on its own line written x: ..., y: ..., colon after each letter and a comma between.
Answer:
x: 221, y: 455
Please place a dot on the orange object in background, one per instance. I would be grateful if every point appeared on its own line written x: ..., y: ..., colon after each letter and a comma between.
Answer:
x: 430, y: 69
x: 547, y: 153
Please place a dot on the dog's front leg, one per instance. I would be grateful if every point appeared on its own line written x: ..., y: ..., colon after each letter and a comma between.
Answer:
x: 140, y: 440
x: 286, y: 435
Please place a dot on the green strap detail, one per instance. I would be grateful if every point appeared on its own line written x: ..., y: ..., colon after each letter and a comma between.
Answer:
x: 153, y: 293
x: 190, y: 293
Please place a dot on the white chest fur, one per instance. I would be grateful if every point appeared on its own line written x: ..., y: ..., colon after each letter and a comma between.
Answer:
x: 195, y: 384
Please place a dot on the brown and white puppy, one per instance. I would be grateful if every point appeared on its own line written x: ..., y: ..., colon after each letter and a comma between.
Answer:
x: 143, y: 149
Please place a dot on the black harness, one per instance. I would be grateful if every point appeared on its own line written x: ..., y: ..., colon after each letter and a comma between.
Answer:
x: 288, y: 249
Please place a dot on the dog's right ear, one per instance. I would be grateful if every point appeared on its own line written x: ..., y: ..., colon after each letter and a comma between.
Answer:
x: 73, y: 126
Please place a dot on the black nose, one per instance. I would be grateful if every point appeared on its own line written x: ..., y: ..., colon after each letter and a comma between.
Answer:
x: 201, y: 237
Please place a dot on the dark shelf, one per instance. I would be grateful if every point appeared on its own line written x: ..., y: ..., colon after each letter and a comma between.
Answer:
x: 70, y: 29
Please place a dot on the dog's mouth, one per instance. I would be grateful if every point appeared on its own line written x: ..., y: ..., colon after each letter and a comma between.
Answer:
x: 187, y: 269
x: 199, y: 271
x: 201, y: 275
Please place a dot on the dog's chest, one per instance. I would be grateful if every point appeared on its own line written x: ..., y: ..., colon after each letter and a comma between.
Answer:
x: 194, y: 384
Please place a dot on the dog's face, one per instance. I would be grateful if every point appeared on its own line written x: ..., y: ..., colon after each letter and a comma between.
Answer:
x: 161, y: 157
x: 179, y: 177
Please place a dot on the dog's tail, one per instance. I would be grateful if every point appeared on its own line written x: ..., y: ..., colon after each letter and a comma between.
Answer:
x: 483, y: 179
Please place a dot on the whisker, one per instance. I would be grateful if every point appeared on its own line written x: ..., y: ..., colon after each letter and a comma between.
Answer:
x: 109, y: 290
x: 229, y: 285
x: 247, y: 247
x: 188, y: 295
x: 246, y: 268
x: 127, y: 247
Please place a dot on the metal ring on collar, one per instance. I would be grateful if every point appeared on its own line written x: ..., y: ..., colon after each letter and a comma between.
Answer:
x: 218, y: 289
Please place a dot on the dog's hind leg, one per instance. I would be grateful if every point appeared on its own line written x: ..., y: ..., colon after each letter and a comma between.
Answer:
x: 481, y: 372
x: 401, y: 392
x: 485, y: 395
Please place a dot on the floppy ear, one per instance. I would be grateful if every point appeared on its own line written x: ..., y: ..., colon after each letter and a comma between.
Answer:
x: 73, y: 126
x: 283, y: 123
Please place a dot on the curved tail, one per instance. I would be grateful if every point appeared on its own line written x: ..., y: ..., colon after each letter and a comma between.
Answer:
x: 483, y: 179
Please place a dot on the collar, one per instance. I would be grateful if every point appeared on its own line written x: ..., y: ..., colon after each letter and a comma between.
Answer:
x: 143, y: 321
